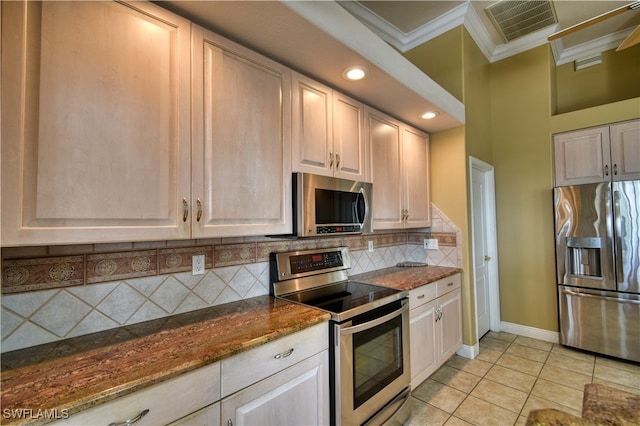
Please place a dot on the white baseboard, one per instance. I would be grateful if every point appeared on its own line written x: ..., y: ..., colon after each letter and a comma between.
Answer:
x: 470, y: 352
x: 534, y: 333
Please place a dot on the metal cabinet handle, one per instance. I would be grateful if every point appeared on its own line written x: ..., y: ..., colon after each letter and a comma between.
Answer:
x: 487, y: 258
x: 131, y: 421
x: 337, y: 161
x: 330, y: 159
x: 229, y: 422
x: 450, y: 284
x: 185, y: 209
x: 606, y: 170
x: 421, y: 296
x: 283, y: 354
x: 615, y: 169
x: 199, y: 214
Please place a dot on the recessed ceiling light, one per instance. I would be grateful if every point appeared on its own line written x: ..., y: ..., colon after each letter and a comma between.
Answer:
x: 355, y: 73
x: 430, y: 114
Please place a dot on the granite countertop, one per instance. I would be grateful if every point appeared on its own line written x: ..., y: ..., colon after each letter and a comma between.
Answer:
x: 79, y: 373
x: 406, y: 278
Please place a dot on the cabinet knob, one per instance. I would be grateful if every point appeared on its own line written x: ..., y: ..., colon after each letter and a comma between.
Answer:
x: 131, y: 421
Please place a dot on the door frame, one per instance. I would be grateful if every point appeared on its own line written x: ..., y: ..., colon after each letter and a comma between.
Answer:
x: 489, y: 195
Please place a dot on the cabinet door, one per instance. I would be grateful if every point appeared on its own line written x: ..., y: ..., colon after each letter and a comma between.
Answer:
x: 625, y: 150
x: 298, y: 395
x: 384, y: 138
x: 423, y: 342
x: 350, y: 147
x: 415, y: 160
x: 312, y: 127
x: 95, y: 126
x: 241, y: 140
x: 450, y: 324
x: 582, y: 156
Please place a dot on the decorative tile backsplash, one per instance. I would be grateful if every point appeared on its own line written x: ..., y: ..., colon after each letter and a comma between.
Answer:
x: 47, y: 298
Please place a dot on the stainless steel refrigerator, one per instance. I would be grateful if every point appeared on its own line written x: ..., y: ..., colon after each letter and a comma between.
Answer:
x: 598, y: 267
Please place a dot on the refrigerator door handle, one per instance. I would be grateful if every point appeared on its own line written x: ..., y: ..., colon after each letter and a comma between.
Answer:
x: 617, y: 234
x: 594, y: 296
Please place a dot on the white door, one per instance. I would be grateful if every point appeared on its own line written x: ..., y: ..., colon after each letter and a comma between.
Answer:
x: 484, y: 248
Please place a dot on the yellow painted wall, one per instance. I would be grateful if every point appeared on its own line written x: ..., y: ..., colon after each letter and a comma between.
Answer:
x: 522, y: 157
x: 616, y: 79
x: 441, y: 59
x: 449, y: 194
x: 462, y: 70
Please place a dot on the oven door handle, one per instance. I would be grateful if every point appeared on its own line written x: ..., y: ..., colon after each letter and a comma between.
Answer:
x: 374, y: 323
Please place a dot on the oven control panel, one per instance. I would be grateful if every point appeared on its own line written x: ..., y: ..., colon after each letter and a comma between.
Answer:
x: 315, y: 261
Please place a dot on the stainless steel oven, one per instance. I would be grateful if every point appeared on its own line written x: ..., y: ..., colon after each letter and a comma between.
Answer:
x: 369, y: 335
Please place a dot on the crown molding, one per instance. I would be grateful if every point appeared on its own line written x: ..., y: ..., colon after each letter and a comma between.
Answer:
x: 466, y: 15
x: 564, y: 55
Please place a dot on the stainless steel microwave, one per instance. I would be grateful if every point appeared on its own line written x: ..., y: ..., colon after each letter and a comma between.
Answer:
x: 330, y: 206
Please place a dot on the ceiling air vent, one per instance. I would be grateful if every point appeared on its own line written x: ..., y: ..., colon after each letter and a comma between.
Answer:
x: 515, y: 19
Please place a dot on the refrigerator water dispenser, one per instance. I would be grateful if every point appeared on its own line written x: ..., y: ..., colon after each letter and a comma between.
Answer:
x: 583, y: 256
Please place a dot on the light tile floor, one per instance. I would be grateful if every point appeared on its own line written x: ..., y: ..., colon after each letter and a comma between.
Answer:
x: 511, y: 376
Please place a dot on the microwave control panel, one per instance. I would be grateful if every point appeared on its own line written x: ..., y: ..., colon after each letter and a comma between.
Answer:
x: 338, y: 229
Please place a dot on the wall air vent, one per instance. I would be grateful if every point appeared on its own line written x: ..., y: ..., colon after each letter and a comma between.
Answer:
x: 515, y: 19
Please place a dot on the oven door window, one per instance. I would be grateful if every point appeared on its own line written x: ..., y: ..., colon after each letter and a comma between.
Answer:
x: 377, y: 359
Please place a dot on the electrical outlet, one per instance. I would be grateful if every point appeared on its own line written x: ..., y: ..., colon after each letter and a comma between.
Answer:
x: 197, y: 264
x: 431, y: 244
x: 370, y: 243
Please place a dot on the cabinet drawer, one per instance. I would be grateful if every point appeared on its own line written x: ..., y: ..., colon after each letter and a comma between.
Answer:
x: 166, y: 401
x: 445, y: 285
x: 256, y: 364
x: 421, y: 295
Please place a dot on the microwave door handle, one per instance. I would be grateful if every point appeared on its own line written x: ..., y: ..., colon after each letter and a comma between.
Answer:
x: 361, y: 215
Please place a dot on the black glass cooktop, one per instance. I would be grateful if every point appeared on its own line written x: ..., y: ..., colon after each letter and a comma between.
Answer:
x: 343, y: 299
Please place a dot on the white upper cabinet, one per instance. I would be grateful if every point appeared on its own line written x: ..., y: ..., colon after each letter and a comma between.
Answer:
x: 241, y: 140
x: 96, y: 122
x: 327, y: 132
x: 598, y: 154
x: 415, y: 160
x: 400, y: 173
x: 625, y: 150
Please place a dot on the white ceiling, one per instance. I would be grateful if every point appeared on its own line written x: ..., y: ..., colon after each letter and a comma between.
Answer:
x: 321, y: 39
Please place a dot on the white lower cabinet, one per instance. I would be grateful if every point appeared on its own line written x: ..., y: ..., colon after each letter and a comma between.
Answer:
x: 435, y: 326
x: 298, y: 395
x: 158, y: 404
x: 284, y: 382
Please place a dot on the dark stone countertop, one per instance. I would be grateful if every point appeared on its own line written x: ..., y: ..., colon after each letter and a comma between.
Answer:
x: 82, y: 372
x: 406, y: 278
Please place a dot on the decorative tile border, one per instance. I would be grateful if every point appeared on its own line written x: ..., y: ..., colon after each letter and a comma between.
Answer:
x: 105, y: 267
x: 42, y: 273
x: 29, y: 268
x: 173, y: 260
